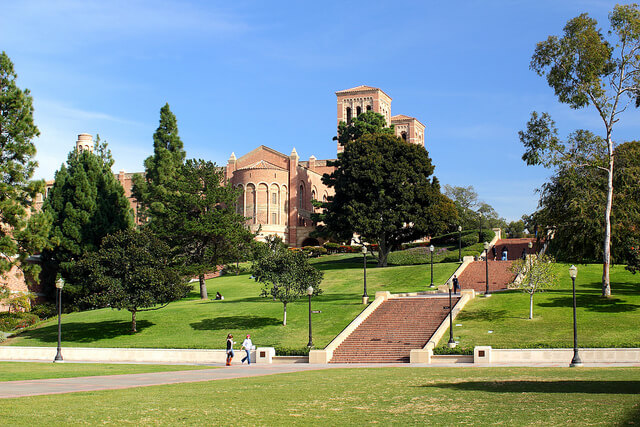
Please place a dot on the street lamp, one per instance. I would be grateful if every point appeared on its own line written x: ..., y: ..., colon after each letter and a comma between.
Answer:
x: 431, y: 249
x: 576, y: 361
x: 486, y: 267
x: 365, y: 295
x: 459, y: 243
x: 451, y: 343
x: 530, y: 245
x: 59, y: 286
x: 310, y: 292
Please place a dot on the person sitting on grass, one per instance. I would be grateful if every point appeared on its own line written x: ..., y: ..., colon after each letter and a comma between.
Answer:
x: 219, y: 296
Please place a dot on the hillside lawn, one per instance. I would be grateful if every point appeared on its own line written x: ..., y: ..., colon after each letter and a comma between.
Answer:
x: 602, y: 322
x: 195, y: 323
x: 387, y: 396
x: 18, y: 371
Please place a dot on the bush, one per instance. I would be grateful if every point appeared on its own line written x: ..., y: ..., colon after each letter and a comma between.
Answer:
x: 453, y: 351
x: 314, y: 251
x: 412, y: 256
x: 331, y: 247
x: 45, y: 310
x: 288, y: 351
x: 469, y: 239
x: 12, y: 321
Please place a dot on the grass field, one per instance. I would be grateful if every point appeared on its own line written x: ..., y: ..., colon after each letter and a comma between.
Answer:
x: 17, y: 371
x: 387, y: 396
x: 602, y: 322
x: 193, y: 323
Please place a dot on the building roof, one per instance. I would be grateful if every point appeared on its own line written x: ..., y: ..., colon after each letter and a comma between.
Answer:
x: 400, y: 117
x: 262, y: 164
x: 361, y: 88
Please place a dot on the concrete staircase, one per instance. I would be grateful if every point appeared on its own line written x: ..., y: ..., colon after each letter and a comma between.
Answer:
x: 390, y: 333
x: 474, y: 276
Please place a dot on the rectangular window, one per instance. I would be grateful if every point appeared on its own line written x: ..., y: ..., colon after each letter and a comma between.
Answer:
x: 274, y: 198
x: 274, y: 218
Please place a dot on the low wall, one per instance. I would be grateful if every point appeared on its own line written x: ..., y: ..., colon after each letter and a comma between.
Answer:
x: 488, y: 355
x: 133, y: 355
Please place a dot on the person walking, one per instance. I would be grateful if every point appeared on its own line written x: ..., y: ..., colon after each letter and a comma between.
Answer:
x: 247, y: 345
x: 456, y: 284
x: 230, y: 344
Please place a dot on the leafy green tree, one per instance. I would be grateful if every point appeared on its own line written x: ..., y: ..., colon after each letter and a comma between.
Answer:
x: 85, y: 203
x: 539, y: 274
x: 515, y: 229
x: 199, y: 220
x: 23, y: 231
x: 160, y: 168
x: 385, y: 194
x: 366, y: 123
x: 131, y: 271
x: 585, y: 68
x: 473, y: 213
x: 286, y: 275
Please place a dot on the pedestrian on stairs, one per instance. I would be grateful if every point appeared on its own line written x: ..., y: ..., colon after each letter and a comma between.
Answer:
x: 230, y: 344
x: 456, y: 284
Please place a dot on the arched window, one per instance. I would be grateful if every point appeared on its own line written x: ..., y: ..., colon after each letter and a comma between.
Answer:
x: 368, y: 107
x: 348, y: 114
x: 404, y: 136
x: 301, y: 197
x: 358, y: 111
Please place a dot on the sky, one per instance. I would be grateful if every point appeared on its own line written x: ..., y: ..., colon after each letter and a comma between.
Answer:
x: 246, y: 73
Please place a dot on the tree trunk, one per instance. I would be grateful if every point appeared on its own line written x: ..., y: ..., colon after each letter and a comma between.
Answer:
x: 383, y: 251
x: 530, y: 306
x: 606, y: 285
x: 133, y: 322
x: 203, y: 287
x: 284, y: 319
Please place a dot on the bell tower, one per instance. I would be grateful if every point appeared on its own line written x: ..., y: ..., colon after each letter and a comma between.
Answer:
x: 360, y: 99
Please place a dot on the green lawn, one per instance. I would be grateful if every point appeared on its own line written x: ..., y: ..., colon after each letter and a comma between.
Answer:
x: 602, y: 322
x: 387, y: 396
x: 17, y: 371
x: 193, y: 323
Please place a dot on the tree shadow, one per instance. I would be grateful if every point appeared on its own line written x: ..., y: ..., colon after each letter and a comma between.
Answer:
x: 569, y: 386
x: 85, y: 332
x: 486, y: 314
x: 235, y: 322
x: 591, y: 302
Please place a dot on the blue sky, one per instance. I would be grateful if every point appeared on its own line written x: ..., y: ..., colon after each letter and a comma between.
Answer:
x: 241, y: 74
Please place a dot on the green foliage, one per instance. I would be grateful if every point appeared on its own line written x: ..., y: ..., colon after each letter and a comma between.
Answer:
x: 515, y: 229
x: 367, y: 123
x: 16, y: 320
x: 160, y: 168
x: 452, y: 238
x: 384, y: 193
x: 199, y: 220
x: 473, y: 213
x: 286, y: 275
x: 85, y: 203
x: 131, y: 271
x: 421, y: 255
x: 314, y: 251
x: 540, y: 274
x: 331, y: 247
x: 24, y: 231
x: 44, y: 310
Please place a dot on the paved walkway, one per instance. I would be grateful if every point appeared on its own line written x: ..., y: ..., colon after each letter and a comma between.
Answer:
x: 13, y: 389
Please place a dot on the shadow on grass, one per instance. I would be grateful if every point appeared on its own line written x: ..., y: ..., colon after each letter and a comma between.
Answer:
x: 81, y: 332
x: 485, y: 314
x: 235, y: 322
x: 591, y: 302
x: 570, y: 386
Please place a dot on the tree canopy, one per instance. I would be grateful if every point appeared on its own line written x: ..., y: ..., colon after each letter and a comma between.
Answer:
x: 286, y: 275
x: 384, y: 193
x: 585, y: 68
x: 131, y: 271
x: 160, y: 168
x: 85, y: 203
x: 23, y: 231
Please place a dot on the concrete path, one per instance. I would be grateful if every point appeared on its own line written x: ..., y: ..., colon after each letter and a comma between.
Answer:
x: 13, y: 389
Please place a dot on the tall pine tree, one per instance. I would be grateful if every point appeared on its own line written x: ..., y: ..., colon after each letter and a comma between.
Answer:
x: 23, y: 231
x: 160, y: 168
x: 86, y: 203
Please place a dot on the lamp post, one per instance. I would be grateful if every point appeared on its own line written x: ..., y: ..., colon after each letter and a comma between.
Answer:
x: 576, y: 361
x: 365, y: 295
x: 59, y: 286
x: 530, y: 245
x: 310, y: 292
x: 431, y: 249
x: 486, y: 268
x: 459, y: 243
x: 451, y: 343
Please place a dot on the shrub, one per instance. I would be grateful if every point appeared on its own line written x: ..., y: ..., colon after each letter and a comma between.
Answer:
x: 45, y: 310
x: 289, y: 351
x: 331, y: 247
x: 12, y: 321
x: 469, y: 239
x: 314, y: 251
x: 453, y: 351
x: 412, y: 256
